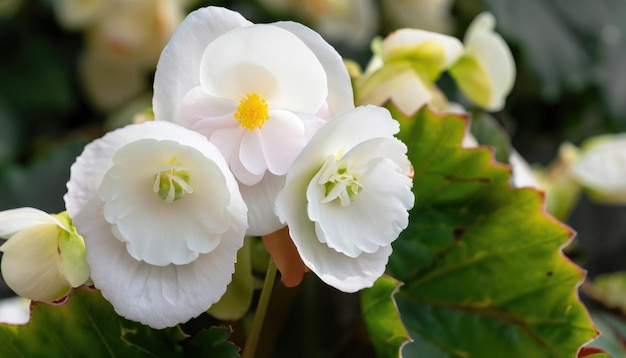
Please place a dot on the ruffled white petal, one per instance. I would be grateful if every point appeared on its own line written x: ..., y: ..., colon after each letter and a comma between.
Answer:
x: 268, y: 61
x: 344, y: 132
x: 385, y: 197
x: 178, y: 70
x: 159, y: 296
x: 349, y: 272
x: 132, y: 206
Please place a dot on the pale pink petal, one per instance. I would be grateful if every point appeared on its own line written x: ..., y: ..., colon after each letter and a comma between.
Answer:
x: 251, y: 152
x: 282, y: 139
x: 205, y: 113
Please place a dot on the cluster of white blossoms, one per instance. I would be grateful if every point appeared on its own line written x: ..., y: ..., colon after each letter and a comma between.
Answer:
x: 255, y: 129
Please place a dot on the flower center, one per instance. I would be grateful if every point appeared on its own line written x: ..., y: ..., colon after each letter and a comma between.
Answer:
x: 252, y: 112
x: 171, y: 182
x: 340, y: 184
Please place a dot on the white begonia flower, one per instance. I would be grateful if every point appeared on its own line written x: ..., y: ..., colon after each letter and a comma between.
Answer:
x: 486, y: 71
x: 601, y: 168
x: 44, y: 257
x: 405, y: 68
x: 346, y: 198
x: 162, y: 219
x: 258, y: 92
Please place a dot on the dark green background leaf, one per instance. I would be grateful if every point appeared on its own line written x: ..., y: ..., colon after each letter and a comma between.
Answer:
x: 211, y: 342
x: 85, y: 325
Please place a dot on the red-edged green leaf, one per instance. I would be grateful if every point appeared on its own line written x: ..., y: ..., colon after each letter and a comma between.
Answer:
x: 85, y: 325
x: 591, y: 352
x: 482, y: 263
x: 382, y: 317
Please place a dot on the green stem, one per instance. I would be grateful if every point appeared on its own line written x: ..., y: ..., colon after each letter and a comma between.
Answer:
x: 259, y: 316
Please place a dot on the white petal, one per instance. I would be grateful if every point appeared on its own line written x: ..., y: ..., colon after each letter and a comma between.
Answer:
x: 400, y: 84
x: 205, y: 113
x: 178, y: 69
x: 89, y: 169
x: 15, y: 220
x: 522, y: 172
x: 404, y: 41
x: 158, y: 296
x: 188, y: 226
x: 603, y: 167
x: 338, y: 135
x: 494, y: 56
x: 251, y: 153
x: 243, y: 175
x: 340, y: 271
x: 31, y: 264
x: 342, y: 133
x: 136, y: 210
x: 260, y: 200
x: 268, y: 61
x: 340, y: 95
x: 282, y: 139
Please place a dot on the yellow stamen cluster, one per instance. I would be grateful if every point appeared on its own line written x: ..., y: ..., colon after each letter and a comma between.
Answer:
x: 252, y: 112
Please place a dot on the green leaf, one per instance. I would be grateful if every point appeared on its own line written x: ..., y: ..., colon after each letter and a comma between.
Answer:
x: 382, y: 317
x: 482, y: 263
x: 211, y: 343
x: 85, y: 325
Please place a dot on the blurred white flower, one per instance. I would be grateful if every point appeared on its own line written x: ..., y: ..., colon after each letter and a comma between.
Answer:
x: 346, y: 198
x: 405, y: 68
x: 43, y: 257
x: 352, y: 22
x: 124, y: 41
x: 14, y: 310
x: 486, y: 71
x: 430, y: 15
x: 601, y: 168
x: 258, y: 92
x: 162, y: 219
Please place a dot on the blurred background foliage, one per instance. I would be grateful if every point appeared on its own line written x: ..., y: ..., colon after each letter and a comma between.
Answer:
x: 70, y: 70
